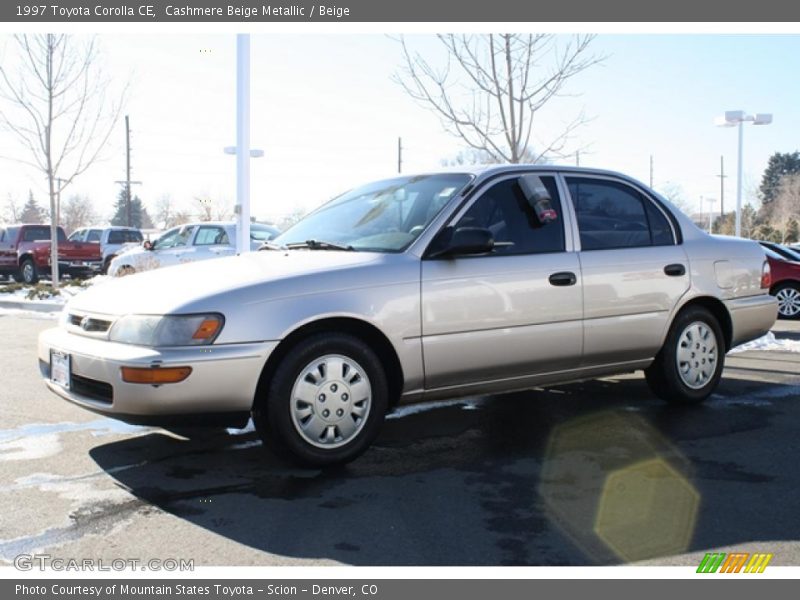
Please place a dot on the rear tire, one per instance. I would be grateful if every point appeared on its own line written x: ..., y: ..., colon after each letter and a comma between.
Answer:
x: 325, y: 403
x: 27, y: 272
x: 689, y: 366
x: 788, y: 296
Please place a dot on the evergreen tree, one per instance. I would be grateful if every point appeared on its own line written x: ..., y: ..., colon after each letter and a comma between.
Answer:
x: 32, y: 212
x: 139, y: 216
x: 780, y: 164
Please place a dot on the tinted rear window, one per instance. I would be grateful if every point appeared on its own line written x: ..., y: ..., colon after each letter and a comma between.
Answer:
x: 124, y: 237
x: 41, y: 232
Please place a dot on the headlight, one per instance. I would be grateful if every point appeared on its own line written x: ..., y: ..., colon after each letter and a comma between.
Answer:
x: 172, y: 330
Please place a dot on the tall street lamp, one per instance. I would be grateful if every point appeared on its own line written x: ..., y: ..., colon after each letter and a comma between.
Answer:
x: 731, y: 119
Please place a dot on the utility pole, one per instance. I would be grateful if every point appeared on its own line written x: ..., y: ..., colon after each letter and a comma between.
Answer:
x: 399, y: 155
x: 127, y: 183
x: 722, y: 177
x: 651, y: 171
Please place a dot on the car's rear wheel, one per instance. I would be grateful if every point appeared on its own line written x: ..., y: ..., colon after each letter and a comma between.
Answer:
x: 688, y: 367
x: 788, y: 296
x: 27, y: 271
x: 325, y: 403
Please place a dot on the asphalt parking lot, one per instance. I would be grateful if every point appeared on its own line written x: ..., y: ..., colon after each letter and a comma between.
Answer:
x: 591, y: 473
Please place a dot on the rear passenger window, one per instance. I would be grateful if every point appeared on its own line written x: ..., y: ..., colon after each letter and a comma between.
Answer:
x: 505, y: 211
x: 614, y: 215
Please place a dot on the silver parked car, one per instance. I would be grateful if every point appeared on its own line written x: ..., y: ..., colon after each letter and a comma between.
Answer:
x: 186, y: 243
x: 418, y: 287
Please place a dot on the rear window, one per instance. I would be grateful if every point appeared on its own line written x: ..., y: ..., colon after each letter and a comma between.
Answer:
x: 124, y: 236
x: 41, y: 232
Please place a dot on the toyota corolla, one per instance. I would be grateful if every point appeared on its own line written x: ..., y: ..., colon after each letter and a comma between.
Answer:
x: 418, y: 287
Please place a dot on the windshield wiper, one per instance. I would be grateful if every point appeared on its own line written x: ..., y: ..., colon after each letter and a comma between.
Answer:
x: 269, y: 245
x: 320, y: 245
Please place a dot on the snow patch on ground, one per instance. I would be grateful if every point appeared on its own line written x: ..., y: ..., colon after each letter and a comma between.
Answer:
x: 29, y: 314
x: 66, y: 292
x: 768, y: 342
x: 413, y: 409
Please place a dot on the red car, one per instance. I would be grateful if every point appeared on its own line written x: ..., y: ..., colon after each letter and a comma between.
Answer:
x: 785, y: 284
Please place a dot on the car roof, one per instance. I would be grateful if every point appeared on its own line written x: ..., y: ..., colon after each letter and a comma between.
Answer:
x: 486, y: 171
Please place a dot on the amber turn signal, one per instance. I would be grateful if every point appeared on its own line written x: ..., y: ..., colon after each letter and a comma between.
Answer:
x: 155, y: 375
x: 207, y: 329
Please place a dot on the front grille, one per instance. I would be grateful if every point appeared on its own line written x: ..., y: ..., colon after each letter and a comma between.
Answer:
x: 89, y: 324
x: 92, y: 389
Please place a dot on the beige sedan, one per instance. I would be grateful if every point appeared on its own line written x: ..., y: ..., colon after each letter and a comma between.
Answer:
x: 415, y: 288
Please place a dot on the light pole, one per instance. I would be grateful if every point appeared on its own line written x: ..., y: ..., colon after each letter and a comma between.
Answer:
x: 731, y: 119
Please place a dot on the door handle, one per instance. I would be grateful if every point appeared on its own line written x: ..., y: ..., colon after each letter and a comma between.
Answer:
x: 676, y: 270
x: 563, y: 278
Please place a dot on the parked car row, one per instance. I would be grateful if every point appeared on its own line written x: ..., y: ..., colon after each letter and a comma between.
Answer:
x: 421, y: 287
x: 25, y: 253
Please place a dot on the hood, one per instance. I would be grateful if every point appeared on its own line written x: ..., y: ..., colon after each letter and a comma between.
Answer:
x: 184, y: 288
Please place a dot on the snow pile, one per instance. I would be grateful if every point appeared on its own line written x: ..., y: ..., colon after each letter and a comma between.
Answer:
x: 768, y: 342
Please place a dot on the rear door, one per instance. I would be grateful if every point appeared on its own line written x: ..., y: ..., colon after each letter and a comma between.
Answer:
x: 634, y: 269
x: 514, y: 312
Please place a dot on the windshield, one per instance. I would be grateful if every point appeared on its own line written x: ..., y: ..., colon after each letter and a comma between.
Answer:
x: 385, y: 216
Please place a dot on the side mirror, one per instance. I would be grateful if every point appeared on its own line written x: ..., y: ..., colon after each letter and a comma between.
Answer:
x: 538, y: 198
x: 147, y: 245
x: 465, y: 241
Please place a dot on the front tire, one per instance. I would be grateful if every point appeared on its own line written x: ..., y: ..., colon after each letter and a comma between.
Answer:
x: 788, y: 296
x: 27, y: 272
x: 325, y: 403
x: 689, y: 366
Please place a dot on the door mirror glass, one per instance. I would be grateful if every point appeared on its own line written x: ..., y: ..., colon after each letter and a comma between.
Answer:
x: 464, y: 241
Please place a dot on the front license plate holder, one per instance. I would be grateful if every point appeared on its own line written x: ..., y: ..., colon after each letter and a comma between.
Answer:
x: 60, y: 368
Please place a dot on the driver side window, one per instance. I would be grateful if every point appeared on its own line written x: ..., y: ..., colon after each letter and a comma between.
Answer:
x: 504, y: 210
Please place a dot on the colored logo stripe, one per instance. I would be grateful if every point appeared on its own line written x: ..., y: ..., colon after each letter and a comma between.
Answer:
x: 734, y: 562
x: 758, y: 563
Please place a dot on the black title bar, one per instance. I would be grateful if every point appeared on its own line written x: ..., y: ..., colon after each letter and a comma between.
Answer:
x: 439, y: 11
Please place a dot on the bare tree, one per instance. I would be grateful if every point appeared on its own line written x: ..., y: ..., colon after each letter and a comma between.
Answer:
x: 785, y: 207
x: 493, y: 85
x: 78, y: 211
x: 165, y: 212
x: 677, y: 197
x: 56, y: 104
x: 13, y: 209
x: 213, y: 209
x: 470, y: 156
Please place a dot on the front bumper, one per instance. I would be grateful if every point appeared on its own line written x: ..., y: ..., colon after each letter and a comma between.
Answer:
x: 223, y: 379
x: 751, y: 317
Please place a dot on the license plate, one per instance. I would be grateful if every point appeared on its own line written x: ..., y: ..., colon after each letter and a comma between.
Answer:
x: 60, y: 368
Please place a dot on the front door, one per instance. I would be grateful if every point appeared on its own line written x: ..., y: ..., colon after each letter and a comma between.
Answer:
x: 513, y: 312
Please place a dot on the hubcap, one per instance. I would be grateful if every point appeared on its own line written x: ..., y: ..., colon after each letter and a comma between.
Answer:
x: 27, y: 272
x: 697, y: 355
x: 788, y: 302
x: 330, y: 401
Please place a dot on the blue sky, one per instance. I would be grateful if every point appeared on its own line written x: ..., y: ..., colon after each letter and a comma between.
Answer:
x: 327, y: 114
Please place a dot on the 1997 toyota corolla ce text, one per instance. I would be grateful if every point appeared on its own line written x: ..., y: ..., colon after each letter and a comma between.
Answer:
x: 432, y: 286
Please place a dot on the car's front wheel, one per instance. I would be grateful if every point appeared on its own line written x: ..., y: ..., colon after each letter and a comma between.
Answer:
x: 325, y: 402
x: 688, y: 367
x: 788, y: 296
